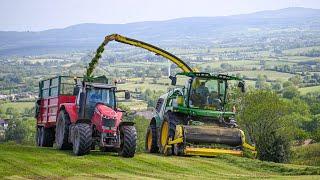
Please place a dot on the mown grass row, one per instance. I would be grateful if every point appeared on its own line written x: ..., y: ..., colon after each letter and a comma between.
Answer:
x: 32, y: 162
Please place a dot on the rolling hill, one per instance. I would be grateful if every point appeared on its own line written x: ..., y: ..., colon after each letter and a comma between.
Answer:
x: 185, y: 30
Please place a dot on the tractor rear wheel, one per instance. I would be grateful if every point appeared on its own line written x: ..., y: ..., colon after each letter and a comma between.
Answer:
x: 128, y: 141
x: 82, y: 139
x: 62, y: 131
x: 151, y: 145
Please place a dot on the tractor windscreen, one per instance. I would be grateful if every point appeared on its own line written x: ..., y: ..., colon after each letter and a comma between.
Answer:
x: 207, y: 93
x: 101, y: 95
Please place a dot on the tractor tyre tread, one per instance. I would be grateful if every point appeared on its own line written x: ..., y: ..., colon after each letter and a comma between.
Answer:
x: 170, y: 117
x: 128, y: 148
x: 85, y: 139
x: 154, y: 145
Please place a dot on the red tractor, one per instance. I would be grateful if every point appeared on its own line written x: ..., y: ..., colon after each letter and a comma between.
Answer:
x: 79, y: 115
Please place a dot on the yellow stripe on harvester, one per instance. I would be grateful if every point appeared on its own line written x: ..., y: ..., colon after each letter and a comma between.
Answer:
x: 210, y: 152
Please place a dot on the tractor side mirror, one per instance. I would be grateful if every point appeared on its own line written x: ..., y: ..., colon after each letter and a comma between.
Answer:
x: 241, y: 85
x: 127, y: 95
x: 173, y: 80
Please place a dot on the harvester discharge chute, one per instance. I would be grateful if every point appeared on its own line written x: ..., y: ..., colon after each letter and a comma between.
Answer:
x: 133, y: 42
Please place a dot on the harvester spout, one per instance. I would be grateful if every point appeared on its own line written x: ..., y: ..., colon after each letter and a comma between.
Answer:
x: 133, y: 42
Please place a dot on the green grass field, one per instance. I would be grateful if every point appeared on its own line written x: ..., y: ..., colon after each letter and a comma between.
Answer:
x: 306, y: 90
x: 272, y: 75
x: 300, y: 50
x: 17, y: 105
x: 309, y: 155
x: 238, y: 63
x: 17, y: 161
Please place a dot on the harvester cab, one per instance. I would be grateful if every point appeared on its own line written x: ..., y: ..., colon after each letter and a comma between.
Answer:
x: 203, y: 90
x: 191, y: 119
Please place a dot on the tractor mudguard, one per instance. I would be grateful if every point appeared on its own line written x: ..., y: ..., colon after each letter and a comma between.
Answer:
x: 71, y: 109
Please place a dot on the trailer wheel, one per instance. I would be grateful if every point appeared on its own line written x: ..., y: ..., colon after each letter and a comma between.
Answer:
x: 128, y: 140
x: 151, y: 145
x: 82, y: 139
x: 46, y: 137
x: 62, y: 131
x: 38, y: 135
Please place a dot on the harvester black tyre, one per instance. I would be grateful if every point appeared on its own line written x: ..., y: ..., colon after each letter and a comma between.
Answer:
x: 151, y: 145
x: 128, y: 141
x: 169, y: 118
x: 62, y: 131
x: 82, y: 139
x: 46, y: 137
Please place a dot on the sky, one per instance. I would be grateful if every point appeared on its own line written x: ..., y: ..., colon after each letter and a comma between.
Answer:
x: 37, y: 15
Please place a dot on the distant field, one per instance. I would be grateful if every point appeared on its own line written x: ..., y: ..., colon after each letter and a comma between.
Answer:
x: 273, y: 75
x: 17, y: 105
x: 301, y: 59
x: 147, y: 84
x: 135, y: 105
x: 306, y: 90
x: 217, y: 64
x: 300, y: 50
x: 17, y: 161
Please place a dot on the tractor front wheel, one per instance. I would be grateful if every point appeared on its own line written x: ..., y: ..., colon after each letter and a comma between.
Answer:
x: 164, y: 137
x: 82, y: 139
x: 167, y: 132
x: 151, y: 145
x: 128, y: 141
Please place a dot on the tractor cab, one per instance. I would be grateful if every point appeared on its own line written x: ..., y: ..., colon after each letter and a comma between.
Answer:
x: 204, y: 90
x: 92, y: 94
x: 95, y: 92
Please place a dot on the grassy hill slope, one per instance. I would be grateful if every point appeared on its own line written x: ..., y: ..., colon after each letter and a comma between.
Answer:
x: 32, y: 162
x: 307, y: 155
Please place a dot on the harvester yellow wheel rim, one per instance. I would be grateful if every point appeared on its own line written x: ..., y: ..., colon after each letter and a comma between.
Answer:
x: 164, y: 133
x: 149, y: 140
